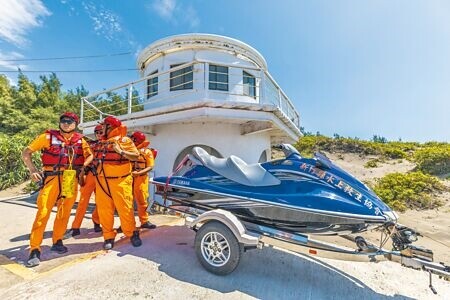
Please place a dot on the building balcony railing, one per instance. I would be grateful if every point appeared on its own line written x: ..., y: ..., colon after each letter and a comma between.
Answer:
x: 189, y: 82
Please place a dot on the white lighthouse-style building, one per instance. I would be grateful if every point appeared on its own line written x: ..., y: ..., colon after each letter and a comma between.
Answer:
x: 200, y: 90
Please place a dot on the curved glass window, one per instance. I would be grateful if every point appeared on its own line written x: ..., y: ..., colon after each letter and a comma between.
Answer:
x: 249, y: 82
x: 152, y: 85
x: 218, y: 78
x: 181, y: 79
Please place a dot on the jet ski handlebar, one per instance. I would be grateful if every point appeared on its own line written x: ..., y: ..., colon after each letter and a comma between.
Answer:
x: 287, y: 149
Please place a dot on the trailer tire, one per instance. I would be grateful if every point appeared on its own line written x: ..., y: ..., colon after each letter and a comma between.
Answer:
x: 217, y: 248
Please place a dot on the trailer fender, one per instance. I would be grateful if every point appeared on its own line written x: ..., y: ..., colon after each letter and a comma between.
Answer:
x: 229, y: 220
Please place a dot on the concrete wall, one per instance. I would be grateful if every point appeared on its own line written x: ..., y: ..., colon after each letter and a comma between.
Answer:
x: 171, y: 139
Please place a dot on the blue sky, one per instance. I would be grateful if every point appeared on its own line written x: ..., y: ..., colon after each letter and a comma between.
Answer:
x: 356, y: 68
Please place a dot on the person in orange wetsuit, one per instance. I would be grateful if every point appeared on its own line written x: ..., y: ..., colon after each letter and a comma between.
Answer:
x: 141, y: 167
x: 87, y: 188
x: 114, y: 182
x: 61, y: 150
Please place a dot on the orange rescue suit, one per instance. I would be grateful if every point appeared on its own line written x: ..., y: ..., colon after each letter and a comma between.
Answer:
x: 114, y: 183
x: 50, y: 194
x: 85, y: 194
x: 140, y: 183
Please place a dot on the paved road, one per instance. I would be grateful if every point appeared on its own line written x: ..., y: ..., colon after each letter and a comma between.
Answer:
x: 165, y: 267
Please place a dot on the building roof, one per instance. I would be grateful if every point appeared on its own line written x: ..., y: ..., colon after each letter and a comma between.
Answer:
x: 197, y: 41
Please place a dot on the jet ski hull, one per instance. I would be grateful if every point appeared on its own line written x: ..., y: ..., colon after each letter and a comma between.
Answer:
x: 283, y: 217
x: 295, y: 194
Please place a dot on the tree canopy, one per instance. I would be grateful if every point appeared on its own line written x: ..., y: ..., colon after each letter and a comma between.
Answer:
x: 30, y: 108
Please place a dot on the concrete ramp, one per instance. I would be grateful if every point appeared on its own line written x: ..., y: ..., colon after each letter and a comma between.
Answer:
x: 165, y: 267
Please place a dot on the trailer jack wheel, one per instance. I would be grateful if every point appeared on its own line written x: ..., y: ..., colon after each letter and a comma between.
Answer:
x: 217, y: 248
x: 361, y: 243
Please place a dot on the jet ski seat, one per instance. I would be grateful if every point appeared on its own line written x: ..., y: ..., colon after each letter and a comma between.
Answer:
x: 236, y: 169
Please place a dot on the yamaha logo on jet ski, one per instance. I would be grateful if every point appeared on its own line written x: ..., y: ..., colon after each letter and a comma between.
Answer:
x: 181, y: 182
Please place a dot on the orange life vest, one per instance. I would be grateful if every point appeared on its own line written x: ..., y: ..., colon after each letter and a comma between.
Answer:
x: 60, y: 152
x: 141, y: 163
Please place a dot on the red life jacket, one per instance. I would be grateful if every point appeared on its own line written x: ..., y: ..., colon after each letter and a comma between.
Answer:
x: 105, y: 154
x: 59, y: 152
x: 92, y: 144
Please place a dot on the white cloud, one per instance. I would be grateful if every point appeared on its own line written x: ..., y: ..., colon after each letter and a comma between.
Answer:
x: 190, y: 17
x: 18, y: 17
x: 72, y: 10
x: 176, y: 13
x: 12, y: 82
x: 164, y: 8
x: 11, y: 65
x: 106, y: 23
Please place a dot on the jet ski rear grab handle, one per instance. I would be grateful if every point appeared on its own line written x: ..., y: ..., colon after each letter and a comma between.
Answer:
x: 255, y: 236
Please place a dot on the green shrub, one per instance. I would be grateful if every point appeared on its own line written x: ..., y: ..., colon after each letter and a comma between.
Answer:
x: 373, y: 163
x: 392, y: 150
x: 412, y: 190
x: 434, y: 159
x: 31, y: 187
x: 12, y: 169
x: 307, y: 145
x: 394, y: 153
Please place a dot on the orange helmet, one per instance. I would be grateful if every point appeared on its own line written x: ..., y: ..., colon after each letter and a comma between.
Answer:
x: 112, y: 121
x: 138, y: 137
x: 70, y: 115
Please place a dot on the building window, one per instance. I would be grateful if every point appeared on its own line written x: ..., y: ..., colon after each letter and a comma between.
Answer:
x: 218, y: 78
x: 249, y: 82
x: 152, y: 85
x: 181, y: 79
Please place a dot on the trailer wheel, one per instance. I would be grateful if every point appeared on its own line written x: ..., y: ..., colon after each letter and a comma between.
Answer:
x: 217, y: 248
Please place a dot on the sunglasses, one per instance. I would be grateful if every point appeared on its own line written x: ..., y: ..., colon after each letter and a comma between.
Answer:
x: 67, y: 121
x: 98, y: 131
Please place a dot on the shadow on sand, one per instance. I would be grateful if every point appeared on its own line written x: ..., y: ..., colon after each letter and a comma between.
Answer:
x: 20, y: 252
x: 265, y: 274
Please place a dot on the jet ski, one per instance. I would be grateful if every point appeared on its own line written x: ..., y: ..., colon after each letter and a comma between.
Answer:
x: 295, y: 194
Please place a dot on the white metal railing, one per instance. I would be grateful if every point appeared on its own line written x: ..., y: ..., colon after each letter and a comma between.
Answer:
x: 136, y: 96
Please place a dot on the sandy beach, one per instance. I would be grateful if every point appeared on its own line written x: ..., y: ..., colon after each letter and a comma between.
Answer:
x: 165, y: 267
